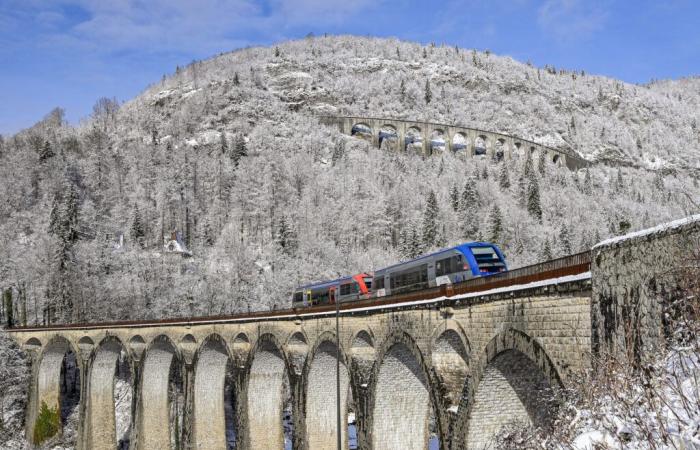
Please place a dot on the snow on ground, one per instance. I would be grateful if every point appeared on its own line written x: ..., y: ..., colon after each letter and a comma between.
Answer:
x: 640, y: 413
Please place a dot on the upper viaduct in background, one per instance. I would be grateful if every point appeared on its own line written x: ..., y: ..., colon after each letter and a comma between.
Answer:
x: 427, y: 138
x: 474, y: 356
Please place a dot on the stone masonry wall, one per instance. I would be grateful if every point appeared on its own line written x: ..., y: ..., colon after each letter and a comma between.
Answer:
x: 635, y: 279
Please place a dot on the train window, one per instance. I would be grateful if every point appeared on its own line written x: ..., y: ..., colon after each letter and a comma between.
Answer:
x: 379, y: 283
x: 298, y: 297
x: 349, y: 288
x: 368, y: 283
x: 413, y: 278
x: 488, y: 260
x: 449, y: 265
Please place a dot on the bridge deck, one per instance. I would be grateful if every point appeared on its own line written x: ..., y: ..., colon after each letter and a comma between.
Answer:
x: 562, y: 270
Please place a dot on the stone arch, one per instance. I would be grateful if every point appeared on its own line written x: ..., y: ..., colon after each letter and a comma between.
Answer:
x: 57, y: 389
x: 32, y: 344
x: 297, y: 348
x: 240, y: 349
x: 500, y: 152
x: 460, y: 143
x: 212, y: 362
x: 160, y: 375
x: 481, y: 145
x: 413, y: 141
x: 450, y: 353
x: 137, y: 345
x: 388, y: 137
x: 188, y: 346
x: 362, y: 130
x: 320, y: 394
x: 513, y: 382
x: 102, y: 430
x: 265, y: 394
x: 518, y: 150
x: 402, y: 397
x: 437, y: 141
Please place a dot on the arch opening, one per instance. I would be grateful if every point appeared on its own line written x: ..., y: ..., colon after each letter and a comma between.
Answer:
x: 162, y: 397
x: 450, y: 362
x: 58, y: 395
x: 402, y: 400
x: 388, y: 137
x: 500, y: 152
x: 512, y: 390
x: 268, y: 406
x: 321, y: 400
x: 459, y: 143
x: 413, y: 142
x: 214, y: 397
x: 518, y: 151
x: 555, y: 158
x: 480, y: 145
x: 362, y: 131
x: 437, y: 142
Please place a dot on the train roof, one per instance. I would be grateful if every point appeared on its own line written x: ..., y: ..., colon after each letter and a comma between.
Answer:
x: 319, y: 284
x: 462, y: 248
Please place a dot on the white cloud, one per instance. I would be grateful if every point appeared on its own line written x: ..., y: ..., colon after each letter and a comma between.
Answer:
x: 572, y: 19
x: 202, y: 26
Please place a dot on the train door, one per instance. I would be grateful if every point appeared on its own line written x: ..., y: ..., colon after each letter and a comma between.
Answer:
x: 332, y: 295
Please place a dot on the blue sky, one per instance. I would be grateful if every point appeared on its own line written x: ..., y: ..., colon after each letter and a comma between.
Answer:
x: 68, y: 53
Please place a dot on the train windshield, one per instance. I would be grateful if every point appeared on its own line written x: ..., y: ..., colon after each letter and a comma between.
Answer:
x: 488, y: 260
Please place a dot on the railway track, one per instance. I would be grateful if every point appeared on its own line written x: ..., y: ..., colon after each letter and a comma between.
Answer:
x: 576, y: 264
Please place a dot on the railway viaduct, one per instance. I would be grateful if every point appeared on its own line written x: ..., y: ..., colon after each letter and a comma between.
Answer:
x: 456, y: 361
x: 427, y: 138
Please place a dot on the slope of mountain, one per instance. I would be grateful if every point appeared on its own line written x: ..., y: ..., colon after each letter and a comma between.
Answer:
x: 229, y: 154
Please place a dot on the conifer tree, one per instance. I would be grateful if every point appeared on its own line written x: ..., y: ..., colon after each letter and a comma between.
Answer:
x: 485, y: 173
x: 428, y: 93
x: 503, y: 179
x: 546, y: 254
x: 533, y: 199
x: 46, y: 152
x: 236, y: 80
x: 430, y: 221
x: 565, y: 240
x: 587, y: 183
x: 496, y: 228
x: 239, y: 149
x: 138, y: 231
x: 223, y: 143
x: 454, y: 198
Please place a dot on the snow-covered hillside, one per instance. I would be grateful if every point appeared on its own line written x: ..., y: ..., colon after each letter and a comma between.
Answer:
x: 652, y: 126
x: 229, y: 154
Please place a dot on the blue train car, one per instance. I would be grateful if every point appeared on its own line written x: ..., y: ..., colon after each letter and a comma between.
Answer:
x: 453, y: 265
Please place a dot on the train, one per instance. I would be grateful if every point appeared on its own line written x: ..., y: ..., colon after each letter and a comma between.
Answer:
x: 449, y: 266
